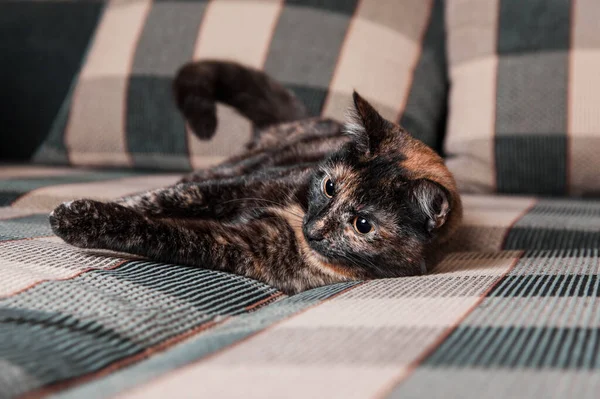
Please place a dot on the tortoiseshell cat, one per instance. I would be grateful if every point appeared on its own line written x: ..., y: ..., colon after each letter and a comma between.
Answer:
x: 306, y: 205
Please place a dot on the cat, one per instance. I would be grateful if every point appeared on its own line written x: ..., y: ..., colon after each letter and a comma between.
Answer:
x: 309, y: 203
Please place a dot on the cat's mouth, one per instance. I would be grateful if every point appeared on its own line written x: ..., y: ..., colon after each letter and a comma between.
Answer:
x: 329, y: 263
x: 320, y: 246
x: 322, y: 250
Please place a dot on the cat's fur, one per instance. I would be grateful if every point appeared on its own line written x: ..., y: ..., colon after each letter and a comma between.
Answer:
x: 266, y: 213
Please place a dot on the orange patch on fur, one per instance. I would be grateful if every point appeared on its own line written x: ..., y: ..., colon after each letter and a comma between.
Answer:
x: 422, y: 162
x: 293, y: 215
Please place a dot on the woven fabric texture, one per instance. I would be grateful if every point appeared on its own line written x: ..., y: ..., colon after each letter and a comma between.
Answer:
x: 525, y: 96
x: 511, y: 310
x: 119, y: 110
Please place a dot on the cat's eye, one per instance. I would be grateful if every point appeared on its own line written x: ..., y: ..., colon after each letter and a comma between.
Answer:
x: 362, y: 225
x: 328, y: 187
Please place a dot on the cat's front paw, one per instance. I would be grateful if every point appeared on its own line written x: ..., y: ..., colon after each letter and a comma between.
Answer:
x: 81, y: 223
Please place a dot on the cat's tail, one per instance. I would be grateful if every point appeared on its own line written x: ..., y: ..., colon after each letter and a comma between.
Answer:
x: 198, y: 86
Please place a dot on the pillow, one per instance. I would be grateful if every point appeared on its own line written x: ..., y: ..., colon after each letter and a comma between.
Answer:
x: 119, y: 111
x: 524, y: 104
x: 42, y: 45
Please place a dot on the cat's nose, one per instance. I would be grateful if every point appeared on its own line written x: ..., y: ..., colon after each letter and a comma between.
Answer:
x: 313, y: 234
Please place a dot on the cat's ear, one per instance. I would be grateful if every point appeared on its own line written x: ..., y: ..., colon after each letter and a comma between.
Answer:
x: 433, y: 201
x: 366, y: 126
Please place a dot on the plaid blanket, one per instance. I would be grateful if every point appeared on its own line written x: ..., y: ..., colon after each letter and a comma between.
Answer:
x: 511, y: 311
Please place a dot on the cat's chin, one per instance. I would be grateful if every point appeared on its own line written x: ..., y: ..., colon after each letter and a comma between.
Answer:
x: 316, y: 251
x: 320, y: 257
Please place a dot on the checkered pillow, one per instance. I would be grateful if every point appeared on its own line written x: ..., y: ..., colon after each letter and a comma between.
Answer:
x: 120, y: 112
x: 525, y: 96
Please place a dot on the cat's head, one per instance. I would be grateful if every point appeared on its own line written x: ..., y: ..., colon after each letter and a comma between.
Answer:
x: 380, y: 202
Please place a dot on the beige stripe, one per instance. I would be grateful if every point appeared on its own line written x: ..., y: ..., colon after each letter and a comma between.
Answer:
x: 233, y: 132
x: 14, y: 172
x: 476, y: 264
x: 494, y: 211
x: 471, y: 37
x: 385, y: 312
x: 264, y: 381
x: 6, y: 212
x: 584, y: 98
x: 477, y: 239
x: 259, y: 372
x: 47, y: 198
x: 487, y: 220
x: 377, y: 60
x: 220, y: 37
x: 96, y: 120
x: 28, y: 262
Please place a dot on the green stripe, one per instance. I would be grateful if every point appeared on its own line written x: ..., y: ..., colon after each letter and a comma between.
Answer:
x: 514, y: 346
x: 62, y: 330
x: 424, y: 115
x: 204, y: 344
x: 53, y: 149
x: 502, y: 333
x: 25, y: 227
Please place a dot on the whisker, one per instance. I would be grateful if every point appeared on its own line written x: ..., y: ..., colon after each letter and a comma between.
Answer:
x: 363, y: 260
x: 351, y: 261
x: 283, y: 206
x: 253, y: 199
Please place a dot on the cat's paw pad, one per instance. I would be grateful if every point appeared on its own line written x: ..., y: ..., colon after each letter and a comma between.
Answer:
x: 77, y: 222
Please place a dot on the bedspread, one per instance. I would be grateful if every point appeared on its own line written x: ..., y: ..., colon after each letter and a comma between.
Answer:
x: 511, y: 311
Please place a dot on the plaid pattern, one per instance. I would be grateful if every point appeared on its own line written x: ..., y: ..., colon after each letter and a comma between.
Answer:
x: 511, y: 310
x: 525, y: 96
x: 43, y: 44
x: 119, y: 110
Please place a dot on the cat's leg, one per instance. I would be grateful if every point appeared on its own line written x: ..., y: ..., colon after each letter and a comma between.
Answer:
x: 281, y: 145
x: 168, y: 202
x: 220, y: 198
x: 312, y: 150
x: 293, y: 132
x: 263, y: 249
